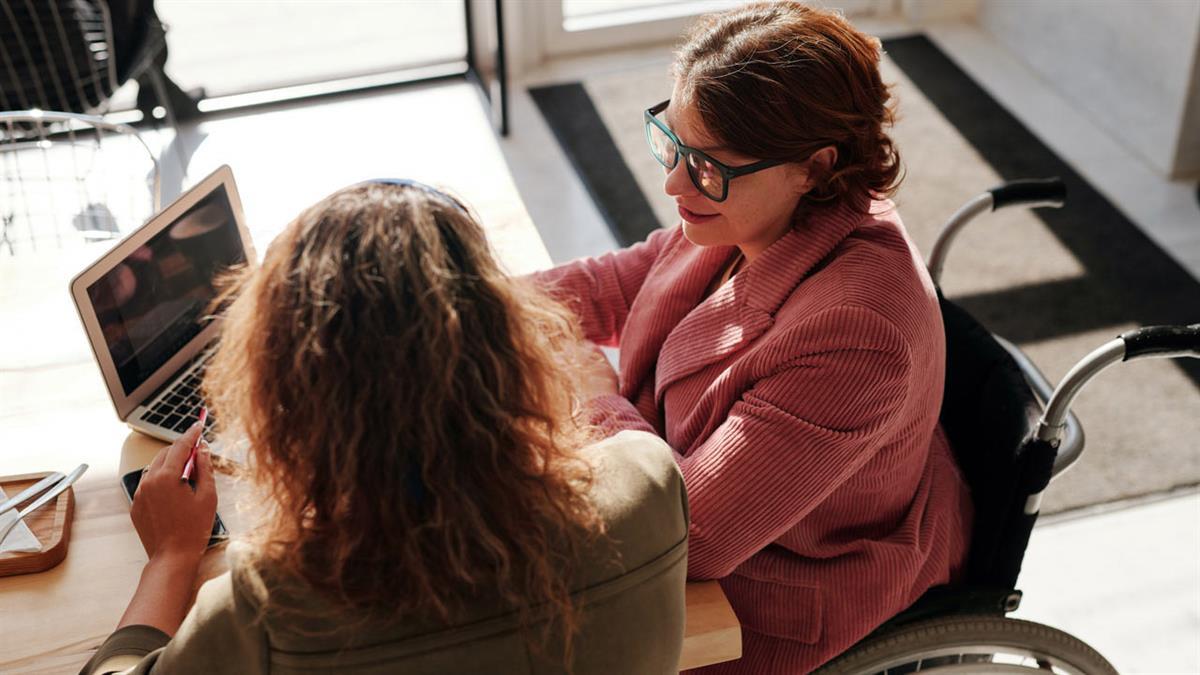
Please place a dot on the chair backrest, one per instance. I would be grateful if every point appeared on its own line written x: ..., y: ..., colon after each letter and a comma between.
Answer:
x: 56, y: 55
x: 989, y: 414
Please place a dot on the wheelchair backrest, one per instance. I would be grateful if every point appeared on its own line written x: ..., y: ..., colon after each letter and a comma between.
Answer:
x: 989, y: 414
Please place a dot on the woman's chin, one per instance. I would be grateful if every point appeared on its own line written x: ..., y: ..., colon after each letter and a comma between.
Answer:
x: 703, y: 234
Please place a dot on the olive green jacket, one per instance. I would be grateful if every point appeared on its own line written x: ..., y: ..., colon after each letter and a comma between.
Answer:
x: 630, y: 589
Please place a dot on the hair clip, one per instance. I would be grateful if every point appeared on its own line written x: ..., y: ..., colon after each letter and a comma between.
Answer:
x: 408, y: 182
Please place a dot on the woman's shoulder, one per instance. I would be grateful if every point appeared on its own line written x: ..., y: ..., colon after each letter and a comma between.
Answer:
x: 880, y: 223
x: 638, y: 492
x: 878, y: 263
x: 872, y: 290
x: 631, y: 451
x: 249, y: 579
x: 634, y: 467
x: 257, y: 588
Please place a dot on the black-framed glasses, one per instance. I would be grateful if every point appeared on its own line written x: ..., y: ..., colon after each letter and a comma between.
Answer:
x: 709, y: 176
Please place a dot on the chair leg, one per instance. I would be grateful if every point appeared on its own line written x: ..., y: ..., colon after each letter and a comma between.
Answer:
x: 4, y: 235
x: 160, y: 94
x: 163, y: 89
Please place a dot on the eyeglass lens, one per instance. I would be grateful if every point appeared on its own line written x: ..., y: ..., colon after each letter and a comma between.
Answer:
x: 706, y: 177
x: 662, y: 146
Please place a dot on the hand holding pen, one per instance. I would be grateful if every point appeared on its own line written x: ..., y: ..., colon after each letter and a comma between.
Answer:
x: 174, y: 519
x: 191, y: 460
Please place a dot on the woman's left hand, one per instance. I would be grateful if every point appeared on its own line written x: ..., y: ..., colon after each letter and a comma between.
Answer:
x: 173, y: 519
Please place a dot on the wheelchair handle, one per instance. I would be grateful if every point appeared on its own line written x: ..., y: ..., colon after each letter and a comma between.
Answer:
x: 1162, y: 341
x: 1147, y: 342
x: 1031, y: 192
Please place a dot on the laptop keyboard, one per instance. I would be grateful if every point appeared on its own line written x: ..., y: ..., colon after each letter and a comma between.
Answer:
x: 178, y: 407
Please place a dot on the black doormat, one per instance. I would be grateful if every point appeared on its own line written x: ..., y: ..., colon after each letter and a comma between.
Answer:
x: 585, y: 139
x: 1128, y: 278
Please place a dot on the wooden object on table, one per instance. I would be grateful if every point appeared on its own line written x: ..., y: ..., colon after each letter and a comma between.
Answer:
x: 51, y: 524
x: 711, y: 632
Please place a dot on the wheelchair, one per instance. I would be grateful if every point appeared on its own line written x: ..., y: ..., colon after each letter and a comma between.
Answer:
x: 1012, y: 433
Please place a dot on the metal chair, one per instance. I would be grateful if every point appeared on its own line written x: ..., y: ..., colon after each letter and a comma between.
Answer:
x: 73, y: 55
x: 68, y: 179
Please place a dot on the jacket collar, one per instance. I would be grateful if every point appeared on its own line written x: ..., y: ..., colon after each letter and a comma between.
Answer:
x: 740, y: 311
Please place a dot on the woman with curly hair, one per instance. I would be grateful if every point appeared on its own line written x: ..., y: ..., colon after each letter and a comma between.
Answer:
x: 435, y: 501
x: 785, y: 338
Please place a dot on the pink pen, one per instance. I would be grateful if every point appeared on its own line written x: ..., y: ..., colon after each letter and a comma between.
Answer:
x: 191, y: 462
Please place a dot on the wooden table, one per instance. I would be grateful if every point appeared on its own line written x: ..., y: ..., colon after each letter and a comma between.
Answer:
x: 54, y: 620
x: 55, y: 413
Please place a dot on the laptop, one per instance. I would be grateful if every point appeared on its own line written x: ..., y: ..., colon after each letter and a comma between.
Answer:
x: 145, y: 305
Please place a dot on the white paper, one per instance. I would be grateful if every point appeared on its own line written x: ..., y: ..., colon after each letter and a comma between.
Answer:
x: 21, y: 539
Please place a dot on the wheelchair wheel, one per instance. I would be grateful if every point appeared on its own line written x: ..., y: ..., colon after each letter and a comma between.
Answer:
x: 970, y: 644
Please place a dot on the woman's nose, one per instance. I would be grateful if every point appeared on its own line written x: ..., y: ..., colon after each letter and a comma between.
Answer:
x: 678, y: 182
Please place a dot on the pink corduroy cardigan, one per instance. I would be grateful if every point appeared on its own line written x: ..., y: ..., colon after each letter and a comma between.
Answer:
x: 801, y: 399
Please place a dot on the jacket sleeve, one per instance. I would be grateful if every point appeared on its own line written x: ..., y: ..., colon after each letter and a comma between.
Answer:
x: 127, y: 648
x: 789, y: 442
x: 601, y: 289
x: 219, y: 631
x: 613, y: 413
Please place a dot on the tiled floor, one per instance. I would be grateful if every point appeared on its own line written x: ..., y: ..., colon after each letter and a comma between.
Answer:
x: 1124, y: 580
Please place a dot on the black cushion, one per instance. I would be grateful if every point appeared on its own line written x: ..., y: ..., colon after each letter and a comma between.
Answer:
x: 990, y: 413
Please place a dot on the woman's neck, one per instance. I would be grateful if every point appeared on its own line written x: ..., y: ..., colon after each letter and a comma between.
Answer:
x: 752, y: 249
x: 731, y: 268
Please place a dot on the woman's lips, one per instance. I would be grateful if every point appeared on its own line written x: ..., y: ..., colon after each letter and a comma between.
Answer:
x: 693, y: 217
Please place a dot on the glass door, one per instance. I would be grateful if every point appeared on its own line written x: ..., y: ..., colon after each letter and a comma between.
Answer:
x: 577, y: 26
x: 237, y: 47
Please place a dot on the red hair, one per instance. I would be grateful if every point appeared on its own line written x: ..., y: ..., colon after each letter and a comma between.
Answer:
x: 779, y: 80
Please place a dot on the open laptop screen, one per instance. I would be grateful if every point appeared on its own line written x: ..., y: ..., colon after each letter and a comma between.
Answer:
x: 154, y: 301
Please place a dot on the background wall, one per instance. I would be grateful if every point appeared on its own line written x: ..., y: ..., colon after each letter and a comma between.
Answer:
x: 1129, y: 65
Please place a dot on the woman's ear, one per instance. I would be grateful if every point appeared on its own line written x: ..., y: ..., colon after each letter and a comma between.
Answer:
x: 822, y: 161
x: 818, y: 165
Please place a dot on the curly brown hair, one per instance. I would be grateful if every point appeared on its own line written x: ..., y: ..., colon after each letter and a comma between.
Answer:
x: 780, y: 80
x: 408, y: 412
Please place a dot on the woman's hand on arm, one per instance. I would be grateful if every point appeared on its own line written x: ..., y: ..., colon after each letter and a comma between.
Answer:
x: 173, y: 521
x: 600, y: 394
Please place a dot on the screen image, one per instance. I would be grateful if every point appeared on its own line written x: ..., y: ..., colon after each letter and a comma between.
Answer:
x: 151, y: 304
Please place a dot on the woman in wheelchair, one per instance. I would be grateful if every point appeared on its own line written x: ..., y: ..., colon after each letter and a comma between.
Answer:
x: 411, y: 427
x: 785, y: 338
